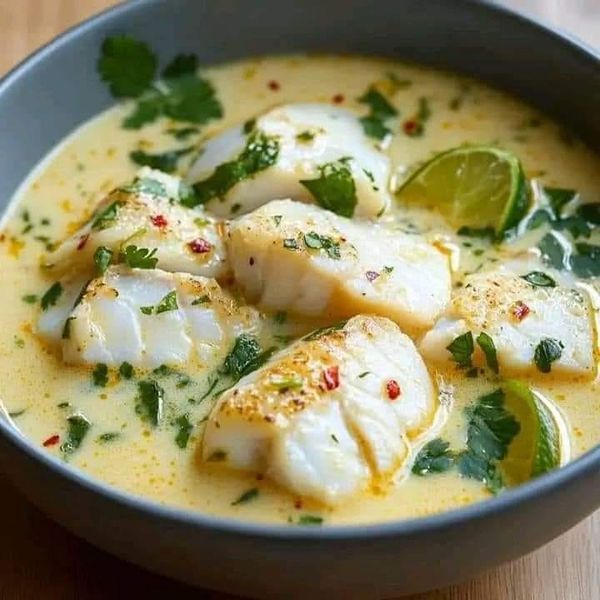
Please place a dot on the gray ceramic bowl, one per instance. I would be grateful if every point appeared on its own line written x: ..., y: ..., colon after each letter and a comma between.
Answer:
x: 57, y: 89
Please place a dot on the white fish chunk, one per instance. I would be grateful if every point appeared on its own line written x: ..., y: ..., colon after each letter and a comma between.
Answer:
x: 309, y: 137
x: 332, y: 414
x: 150, y: 317
x: 147, y: 214
x: 518, y: 316
x: 300, y: 258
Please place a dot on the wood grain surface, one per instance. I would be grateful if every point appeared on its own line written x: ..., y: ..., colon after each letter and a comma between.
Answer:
x: 40, y: 560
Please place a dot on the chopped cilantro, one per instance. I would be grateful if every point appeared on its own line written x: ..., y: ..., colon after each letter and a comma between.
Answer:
x: 310, y: 520
x: 539, y: 279
x: 380, y: 110
x: 30, y: 298
x: 246, y: 356
x: 100, y: 375
x: 246, y: 497
x: 126, y: 370
x: 434, y: 457
x: 184, y: 430
x: 150, y: 401
x: 66, y: 332
x: 586, y: 262
x: 259, y: 154
x: 590, y: 213
x: 127, y: 65
x: 109, y: 436
x: 78, y: 426
x: 553, y: 251
x: 546, y: 352
x: 462, y: 349
x: 139, y: 258
x: 306, y: 136
x: 490, y: 431
x: 201, y: 300
x: 314, y: 241
x: 148, y: 186
x: 486, y: 343
x: 53, y: 293
x: 182, y: 64
x: 102, y: 258
x: 182, y: 133
x: 165, y: 161
x: 168, y: 303
x: 249, y: 126
x: 106, y: 217
x: 334, y: 189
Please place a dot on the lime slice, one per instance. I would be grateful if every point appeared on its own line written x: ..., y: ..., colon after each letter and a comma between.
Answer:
x: 537, y: 448
x: 478, y: 187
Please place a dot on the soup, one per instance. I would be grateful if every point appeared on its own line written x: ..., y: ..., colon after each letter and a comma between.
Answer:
x: 332, y: 320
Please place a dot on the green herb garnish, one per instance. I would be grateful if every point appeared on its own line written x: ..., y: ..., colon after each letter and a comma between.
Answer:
x: 462, y: 349
x: 310, y: 520
x: 486, y: 343
x: 102, y: 258
x: 246, y: 497
x: 30, y: 298
x: 139, y: 258
x: 109, y: 436
x: 100, y: 375
x: 164, y: 161
x: 106, y: 217
x: 539, y: 279
x: 126, y: 370
x: 150, y: 401
x: 434, y: 457
x: 53, y: 293
x: 315, y: 241
x: 78, y: 426
x: 184, y: 430
x: 168, y: 303
x: 546, y: 352
x: 380, y: 111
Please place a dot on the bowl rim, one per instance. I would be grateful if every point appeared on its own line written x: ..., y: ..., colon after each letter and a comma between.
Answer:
x: 581, y: 467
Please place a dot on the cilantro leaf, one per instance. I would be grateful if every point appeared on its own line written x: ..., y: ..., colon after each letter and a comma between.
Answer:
x: 168, y: 303
x: 553, y: 251
x: 434, y: 457
x: 139, y: 258
x: 126, y: 370
x: 260, y: 153
x: 184, y: 430
x: 590, y: 213
x: 380, y: 110
x: 164, y: 161
x: 191, y: 98
x: 461, y: 349
x: 127, y: 65
x: 314, y: 241
x: 150, y: 401
x: 246, y: 497
x: 102, y: 258
x: 182, y: 133
x: 78, y: 428
x: 546, y: 352
x: 246, y: 356
x: 147, y: 185
x: 586, y: 263
x: 334, y: 189
x: 539, y: 279
x: 147, y: 110
x: 100, y: 375
x: 558, y: 198
x: 486, y: 343
x: 106, y: 217
x: 50, y: 298
x: 182, y: 64
x: 310, y: 520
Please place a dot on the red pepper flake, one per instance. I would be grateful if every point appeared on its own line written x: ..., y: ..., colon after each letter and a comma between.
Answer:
x: 520, y: 310
x: 82, y: 241
x: 51, y: 441
x: 331, y: 377
x: 338, y: 98
x: 393, y: 389
x: 200, y: 246
x: 298, y: 504
x: 159, y: 221
x: 412, y: 127
x: 372, y: 275
x: 274, y: 85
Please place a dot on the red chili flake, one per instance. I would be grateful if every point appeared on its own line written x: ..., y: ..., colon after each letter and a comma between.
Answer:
x: 338, y: 98
x: 274, y: 85
x: 298, y: 504
x: 520, y: 310
x: 331, y: 377
x: 200, y: 246
x: 372, y: 275
x: 158, y: 221
x: 82, y: 241
x: 393, y: 389
x: 411, y: 126
x: 51, y: 441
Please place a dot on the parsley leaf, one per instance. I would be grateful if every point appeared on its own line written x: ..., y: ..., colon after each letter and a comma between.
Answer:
x: 490, y: 431
x: 127, y: 65
x: 539, y: 279
x: 315, y: 241
x: 260, y: 153
x: 100, y: 375
x: 380, y: 110
x: 165, y: 161
x: 50, y: 298
x: 246, y: 497
x: 185, y: 429
x: 78, y: 428
x: 139, y: 258
x: 462, y: 349
x: 434, y: 457
x: 334, y: 189
x: 546, y: 352
x: 168, y: 303
x: 102, y: 258
x: 486, y: 343
x: 150, y: 401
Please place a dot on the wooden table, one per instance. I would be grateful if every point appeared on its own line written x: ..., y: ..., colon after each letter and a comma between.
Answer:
x: 40, y: 560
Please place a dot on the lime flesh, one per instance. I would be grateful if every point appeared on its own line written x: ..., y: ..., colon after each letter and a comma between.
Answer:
x: 478, y: 187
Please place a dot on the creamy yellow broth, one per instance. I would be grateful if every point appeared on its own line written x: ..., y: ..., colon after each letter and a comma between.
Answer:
x: 35, y: 384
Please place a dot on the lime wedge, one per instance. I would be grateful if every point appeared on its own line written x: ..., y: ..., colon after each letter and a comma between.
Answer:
x: 478, y: 187
x: 536, y: 449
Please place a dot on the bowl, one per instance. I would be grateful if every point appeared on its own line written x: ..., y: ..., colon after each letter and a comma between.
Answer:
x: 56, y: 89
